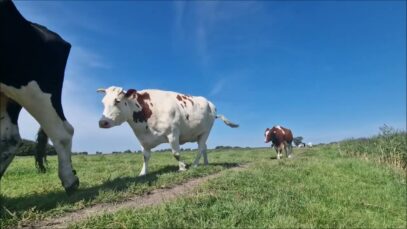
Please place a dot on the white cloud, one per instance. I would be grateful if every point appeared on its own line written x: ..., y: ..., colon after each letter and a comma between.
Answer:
x: 202, y: 44
x: 199, y: 21
x: 218, y: 87
x: 179, y: 7
x: 81, y: 56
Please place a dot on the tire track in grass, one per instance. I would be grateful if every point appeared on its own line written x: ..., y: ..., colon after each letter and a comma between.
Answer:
x: 153, y: 198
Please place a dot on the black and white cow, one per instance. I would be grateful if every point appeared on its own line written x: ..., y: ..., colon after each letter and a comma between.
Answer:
x: 32, y: 66
x: 158, y: 117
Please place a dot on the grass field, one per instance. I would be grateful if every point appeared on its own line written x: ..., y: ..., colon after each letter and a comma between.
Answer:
x: 389, y: 146
x: 28, y: 195
x: 319, y: 187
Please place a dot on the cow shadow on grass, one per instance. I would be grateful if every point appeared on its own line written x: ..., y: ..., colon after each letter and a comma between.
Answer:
x: 47, y: 201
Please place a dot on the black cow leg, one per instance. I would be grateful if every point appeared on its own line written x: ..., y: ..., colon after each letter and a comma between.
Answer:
x: 9, y: 134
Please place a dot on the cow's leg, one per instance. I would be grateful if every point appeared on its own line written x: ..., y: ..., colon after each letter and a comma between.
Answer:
x: 9, y: 134
x: 39, y: 105
x: 277, y: 148
x: 281, y: 149
x: 61, y: 133
x: 202, y: 150
x: 146, y: 158
x: 174, y: 142
x: 286, y: 149
x: 198, y: 157
x: 290, y: 150
x: 204, y: 153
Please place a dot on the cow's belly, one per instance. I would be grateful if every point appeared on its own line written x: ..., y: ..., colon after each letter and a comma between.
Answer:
x: 192, y: 130
x: 189, y: 137
x: 149, y: 140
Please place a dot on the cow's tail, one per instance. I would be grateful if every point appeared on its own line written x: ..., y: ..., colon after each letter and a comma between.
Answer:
x: 222, y: 117
x: 40, y: 151
x: 227, y: 122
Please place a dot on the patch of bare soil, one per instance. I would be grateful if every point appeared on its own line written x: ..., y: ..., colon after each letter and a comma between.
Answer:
x: 154, y: 197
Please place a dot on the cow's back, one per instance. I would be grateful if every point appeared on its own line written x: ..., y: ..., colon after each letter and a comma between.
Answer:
x: 280, y: 134
x: 29, y: 51
x: 288, y: 136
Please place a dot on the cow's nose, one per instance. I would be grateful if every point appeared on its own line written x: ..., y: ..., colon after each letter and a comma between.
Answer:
x: 104, y: 124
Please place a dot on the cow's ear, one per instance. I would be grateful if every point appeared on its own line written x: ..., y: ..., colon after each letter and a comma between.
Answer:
x: 267, y: 129
x: 101, y: 90
x: 130, y: 92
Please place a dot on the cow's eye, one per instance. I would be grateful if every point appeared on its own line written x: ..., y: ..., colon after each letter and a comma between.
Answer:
x: 116, y: 101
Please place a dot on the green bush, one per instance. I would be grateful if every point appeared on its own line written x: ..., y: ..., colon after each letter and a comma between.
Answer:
x: 389, y: 146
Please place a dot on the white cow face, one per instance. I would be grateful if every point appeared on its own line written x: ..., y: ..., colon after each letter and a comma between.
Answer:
x: 116, y: 107
x: 267, y: 137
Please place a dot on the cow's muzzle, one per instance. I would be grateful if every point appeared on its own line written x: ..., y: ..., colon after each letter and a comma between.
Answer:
x: 104, y: 123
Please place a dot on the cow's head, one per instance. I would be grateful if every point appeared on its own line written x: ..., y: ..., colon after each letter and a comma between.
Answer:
x: 117, y: 108
x: 267, y: 135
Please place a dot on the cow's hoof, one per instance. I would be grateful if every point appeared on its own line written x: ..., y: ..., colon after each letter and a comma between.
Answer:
x: 74, y: 186
x: 182, y: 169
x: 142, y: 175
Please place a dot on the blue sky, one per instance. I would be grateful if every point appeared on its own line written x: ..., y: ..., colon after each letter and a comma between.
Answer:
x: 327, y: 70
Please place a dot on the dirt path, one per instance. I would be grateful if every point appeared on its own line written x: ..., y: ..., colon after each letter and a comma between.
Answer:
x: 155, y: 197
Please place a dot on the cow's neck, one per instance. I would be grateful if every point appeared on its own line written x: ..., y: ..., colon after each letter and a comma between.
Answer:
x: 141, y: 110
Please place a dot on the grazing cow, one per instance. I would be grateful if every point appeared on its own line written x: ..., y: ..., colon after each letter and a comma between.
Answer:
x: 32, y: 66
x: 161, y: 117
x: 281, y: 138
x: 301, y: 145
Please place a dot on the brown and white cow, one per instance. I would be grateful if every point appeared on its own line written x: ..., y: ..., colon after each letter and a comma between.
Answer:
x: 281, y: 138
x: 158, y: 117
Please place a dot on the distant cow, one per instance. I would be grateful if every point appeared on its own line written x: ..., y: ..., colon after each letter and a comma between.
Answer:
x: 301, y: 145
x: 281, y: 138
x: 161, y: 117
x: 32, y: 66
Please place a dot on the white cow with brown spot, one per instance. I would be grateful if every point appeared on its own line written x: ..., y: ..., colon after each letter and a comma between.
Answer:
x: 158, y: 117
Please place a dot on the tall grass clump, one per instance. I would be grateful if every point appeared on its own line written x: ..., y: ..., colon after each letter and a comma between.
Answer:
x: 389, y: 146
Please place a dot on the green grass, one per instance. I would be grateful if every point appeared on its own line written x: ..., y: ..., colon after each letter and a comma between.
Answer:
x: 319, y: 188
x: 389, y: 146
x: 28, y: 195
